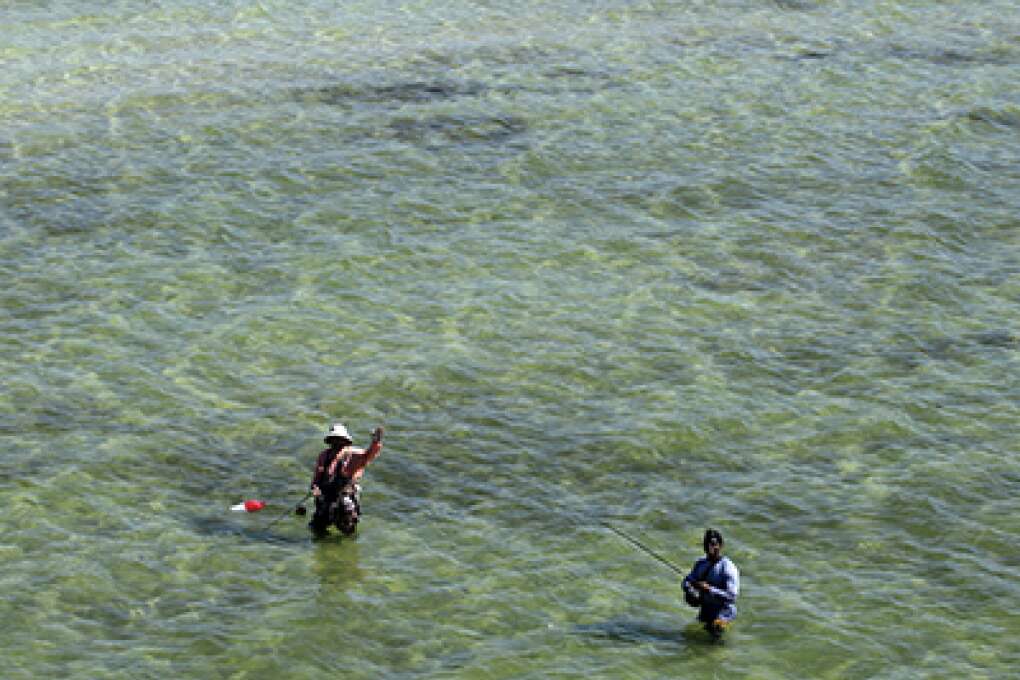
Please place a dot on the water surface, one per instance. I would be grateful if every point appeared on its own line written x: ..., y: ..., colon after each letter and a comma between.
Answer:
x: 750, y: 265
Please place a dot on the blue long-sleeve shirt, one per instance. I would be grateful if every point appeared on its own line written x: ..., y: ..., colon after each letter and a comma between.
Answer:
x: 723, y: 577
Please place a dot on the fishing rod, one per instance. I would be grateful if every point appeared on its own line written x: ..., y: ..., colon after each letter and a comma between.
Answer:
x: 643, y: 547
x: 299, y: 509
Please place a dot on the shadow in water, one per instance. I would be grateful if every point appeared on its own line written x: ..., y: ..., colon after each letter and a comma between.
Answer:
x: 643, y: 632
x: 999, y: 339
x: 334, y: 557
x: 223, y: 527
x: 459, y: 129
x: 412, y: 92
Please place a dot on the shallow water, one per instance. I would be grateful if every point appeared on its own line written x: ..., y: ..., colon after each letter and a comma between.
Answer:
x: 751, y: 265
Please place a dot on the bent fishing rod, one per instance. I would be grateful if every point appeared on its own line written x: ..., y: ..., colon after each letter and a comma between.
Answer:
x: 642, y: 546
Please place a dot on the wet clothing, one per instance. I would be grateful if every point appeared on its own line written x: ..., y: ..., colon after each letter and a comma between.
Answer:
x: 719, y: 601
x: 342, y: 511
x: 339, y: 502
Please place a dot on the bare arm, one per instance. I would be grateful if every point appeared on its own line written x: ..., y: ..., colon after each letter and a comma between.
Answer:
x: 359, y: 460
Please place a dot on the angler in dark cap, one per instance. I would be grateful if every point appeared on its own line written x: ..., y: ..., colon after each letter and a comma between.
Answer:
x: 713, y: 586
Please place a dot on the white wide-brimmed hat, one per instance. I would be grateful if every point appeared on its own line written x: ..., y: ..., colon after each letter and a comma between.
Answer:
x: 338, y: 431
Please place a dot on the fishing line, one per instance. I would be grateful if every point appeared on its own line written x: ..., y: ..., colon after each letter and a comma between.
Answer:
x: 299, y: 509
x: 643, y: 547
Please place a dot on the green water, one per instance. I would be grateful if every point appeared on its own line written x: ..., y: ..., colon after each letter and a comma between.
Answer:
x: 750, y: 265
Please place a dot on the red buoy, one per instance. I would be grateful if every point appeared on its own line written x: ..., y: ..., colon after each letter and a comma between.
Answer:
x: 248, y: 506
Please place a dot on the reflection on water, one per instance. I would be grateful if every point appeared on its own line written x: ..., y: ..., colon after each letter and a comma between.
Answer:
x: 335, y: 562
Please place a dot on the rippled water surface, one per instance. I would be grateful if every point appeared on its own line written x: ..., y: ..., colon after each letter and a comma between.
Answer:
x: 670, y: 265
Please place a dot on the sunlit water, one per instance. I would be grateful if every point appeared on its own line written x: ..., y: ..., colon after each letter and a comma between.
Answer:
x: 750, y: 265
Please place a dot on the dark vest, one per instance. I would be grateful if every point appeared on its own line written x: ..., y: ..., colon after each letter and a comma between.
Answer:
x: 333, y: 485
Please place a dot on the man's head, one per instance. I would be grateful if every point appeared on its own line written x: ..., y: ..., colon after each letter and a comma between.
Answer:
x: 713, y: 544
x: 338, y: 436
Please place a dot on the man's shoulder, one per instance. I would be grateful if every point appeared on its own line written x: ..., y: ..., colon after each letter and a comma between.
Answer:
x: 729, y: 564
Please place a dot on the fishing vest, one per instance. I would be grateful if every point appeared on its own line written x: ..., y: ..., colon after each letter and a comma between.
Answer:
x: 336, y: 483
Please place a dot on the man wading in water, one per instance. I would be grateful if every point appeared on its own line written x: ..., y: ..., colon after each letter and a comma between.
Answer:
x: 713, y: 585
x: 335, y: 481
